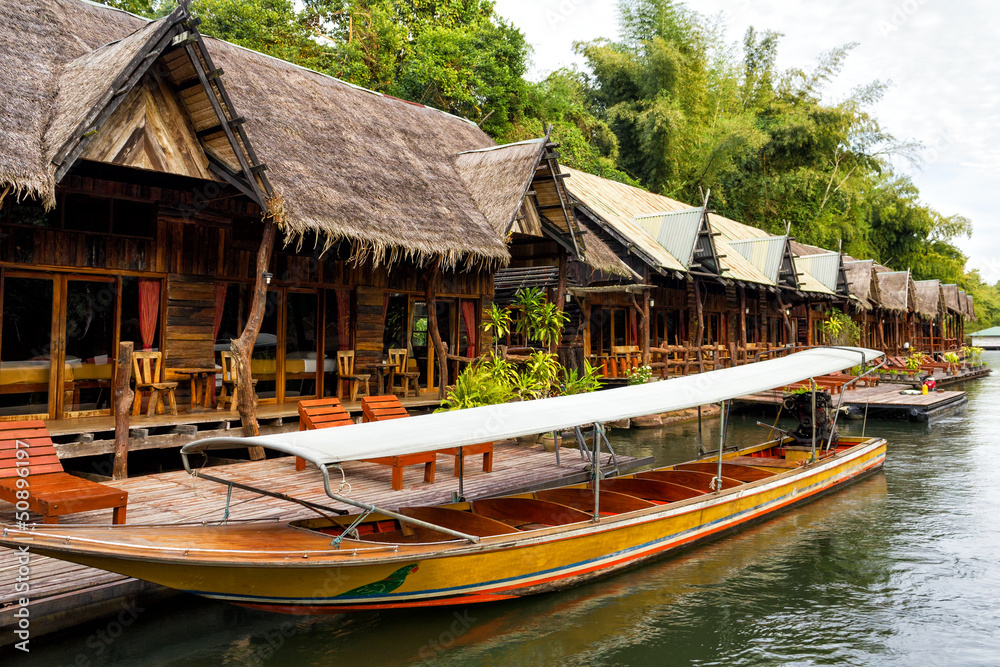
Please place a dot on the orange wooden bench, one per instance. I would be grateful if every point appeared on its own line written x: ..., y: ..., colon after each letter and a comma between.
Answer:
x: 320, y: 413
x: 377, y: 408
x: 382, y: 408
x: 52, y: 492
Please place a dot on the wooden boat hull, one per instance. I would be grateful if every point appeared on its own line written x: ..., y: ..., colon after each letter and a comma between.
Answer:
x: 287, y: 569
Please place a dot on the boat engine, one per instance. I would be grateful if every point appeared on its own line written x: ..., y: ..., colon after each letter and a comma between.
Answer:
x: 800, y: 407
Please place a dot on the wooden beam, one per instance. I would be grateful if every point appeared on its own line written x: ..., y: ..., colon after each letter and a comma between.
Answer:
x: 216, y: 129
x: 432, y: 326
x: 699, y: 334
x: 644, y: 328
x: 123, y: 407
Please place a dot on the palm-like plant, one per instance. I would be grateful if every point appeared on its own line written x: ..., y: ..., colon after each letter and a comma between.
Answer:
x: 496, y: 323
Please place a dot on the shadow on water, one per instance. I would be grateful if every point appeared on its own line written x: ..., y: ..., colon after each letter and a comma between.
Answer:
x: 900, y: 568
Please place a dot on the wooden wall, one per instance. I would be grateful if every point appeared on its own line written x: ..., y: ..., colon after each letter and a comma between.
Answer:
x: 190, y: 334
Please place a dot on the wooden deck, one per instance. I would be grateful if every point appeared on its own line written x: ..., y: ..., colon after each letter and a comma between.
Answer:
x: 92, y: 436
x: 884, y: 400
x: 63, y: 594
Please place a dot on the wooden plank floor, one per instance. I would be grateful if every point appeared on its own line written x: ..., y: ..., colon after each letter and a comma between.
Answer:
x: 177, y: 497
x: 883, y: 395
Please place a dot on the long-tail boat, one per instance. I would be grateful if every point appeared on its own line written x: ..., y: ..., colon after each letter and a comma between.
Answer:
x: 492, y: 548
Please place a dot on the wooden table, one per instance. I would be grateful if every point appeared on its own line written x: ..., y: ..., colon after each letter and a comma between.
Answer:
x: 383, y: 370
x: 202, y: 386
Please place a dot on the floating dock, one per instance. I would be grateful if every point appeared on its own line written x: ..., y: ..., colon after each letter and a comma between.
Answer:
x: 63, y: 594
x: 883, y: 401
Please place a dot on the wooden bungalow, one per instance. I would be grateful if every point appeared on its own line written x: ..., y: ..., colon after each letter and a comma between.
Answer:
x: 146, y: 172
x: 897, y: 303
x: 928, y: 317
x: 954, y: 317
x: 864, y: 306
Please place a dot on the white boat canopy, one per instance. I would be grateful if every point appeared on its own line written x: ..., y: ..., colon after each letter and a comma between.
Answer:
x: 501, y: 422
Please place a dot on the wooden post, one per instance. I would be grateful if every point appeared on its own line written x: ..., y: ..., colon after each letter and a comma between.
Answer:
x: 123, y: 407
x: 644, y: 327
x: 242, y: 347
x: 743, y: 318
x: 784, y: 317
x: 432, y: 327
x: 699, y: 333
x: 560, y: 290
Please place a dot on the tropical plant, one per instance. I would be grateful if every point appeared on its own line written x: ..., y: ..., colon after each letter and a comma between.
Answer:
x: 538, y: 319
x: 542, y: 371
x: 951, y: 358
x: 476, y: 387
x: 497, y: 323
x: 914, y: 361
x: 574, y: 383
x: 840, y: 329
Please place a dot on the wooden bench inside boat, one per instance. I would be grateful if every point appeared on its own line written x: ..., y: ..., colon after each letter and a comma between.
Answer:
x: 769, y: 462
x: 460, y: 520
x: 377, y: 408
x: 52, y: 492
x: 743, y: 473
x: 699, y: 481
x: 649, y: 489
x: 526, y: 513
x: 583, y: 500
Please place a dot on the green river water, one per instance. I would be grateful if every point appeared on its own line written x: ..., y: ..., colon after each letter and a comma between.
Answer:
x: 902, y: 568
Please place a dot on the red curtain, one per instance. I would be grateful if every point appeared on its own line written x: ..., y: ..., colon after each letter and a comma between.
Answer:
x: 469, y: 316
x: 220, y: 304
x: 344, y: 318
x: 149, y: 311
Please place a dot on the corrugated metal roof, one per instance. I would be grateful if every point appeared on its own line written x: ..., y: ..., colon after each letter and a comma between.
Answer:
x: 616, y: 204
x: 764, y: 253
x: 808, y: 282
x: 824, y: 267
x: 677, y: 231
x: 735, y: 265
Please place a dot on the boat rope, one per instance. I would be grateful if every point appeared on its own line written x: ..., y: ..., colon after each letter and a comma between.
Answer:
x: 353, y: 528
x: 344, y: 488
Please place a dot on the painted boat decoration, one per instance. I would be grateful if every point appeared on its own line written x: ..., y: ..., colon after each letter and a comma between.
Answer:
x: 493, y: 548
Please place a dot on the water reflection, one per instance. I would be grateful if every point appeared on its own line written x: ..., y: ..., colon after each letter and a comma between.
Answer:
x: 901, y: 568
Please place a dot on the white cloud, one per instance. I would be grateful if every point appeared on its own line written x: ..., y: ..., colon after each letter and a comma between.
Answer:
x: 942, y: 59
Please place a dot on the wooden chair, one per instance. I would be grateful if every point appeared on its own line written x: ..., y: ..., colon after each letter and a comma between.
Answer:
x: 380, y: 408
x: 345, y: 367
x: 227, y: 394
x: 148, y: 370
x: 52, y: 492
x: 316, y: 413
x: 399, y: 357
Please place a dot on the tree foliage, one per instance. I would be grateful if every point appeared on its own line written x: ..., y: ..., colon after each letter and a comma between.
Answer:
x: 671, y: 105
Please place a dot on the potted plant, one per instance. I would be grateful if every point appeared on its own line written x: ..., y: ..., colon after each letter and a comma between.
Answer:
x: 952, y: 360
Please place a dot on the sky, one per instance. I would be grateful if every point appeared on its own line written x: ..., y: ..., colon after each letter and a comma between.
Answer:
x: 942, y: 58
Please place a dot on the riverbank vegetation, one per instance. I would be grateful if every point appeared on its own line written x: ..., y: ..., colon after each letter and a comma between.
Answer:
x: 672, y: 105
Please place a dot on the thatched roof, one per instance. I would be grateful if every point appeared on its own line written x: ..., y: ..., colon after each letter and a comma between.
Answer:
x: 349, y: 164
x: 861, y: 282
x: 928, y: 297
x: 498, y: 178
x: 39, y: 38
x: 894, y: 288
x: 972, y: 308
x: 951, y: 302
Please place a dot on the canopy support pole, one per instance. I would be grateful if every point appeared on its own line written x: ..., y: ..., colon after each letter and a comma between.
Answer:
x: 813, y: 420
x: 399, y: 517
x: 461, y: 475
x: 717, y: 482
x: 701, y: 449
x: 596, y: 468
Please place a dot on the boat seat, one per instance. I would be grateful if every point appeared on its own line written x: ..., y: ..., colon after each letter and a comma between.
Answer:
x: 744, y: 473
x: 699, y: 481
x: 522, y: 511
x: 583, y: 500
x: 460, y: 520
x: 766, y: 462
x: 649, y: 489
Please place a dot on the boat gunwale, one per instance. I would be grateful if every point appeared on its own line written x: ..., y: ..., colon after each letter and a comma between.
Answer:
x: 354, y: 552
